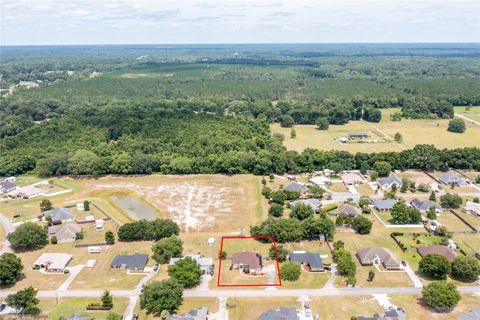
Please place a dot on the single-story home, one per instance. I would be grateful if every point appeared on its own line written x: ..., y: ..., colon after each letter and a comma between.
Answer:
x: 134, y: 262
x: 313, y: 203
x: 59, y: 214
x: 281, y: 314
x: 357, y: 135
x: 388, y: 183
x: 320, y: 181
x: 384, y: 204
x: 76, y: 316
x: 474, y: 314
x: 7, y: 186
x: 424, y: 206
x: 53, y: 262
x: 66, y: 232
x: 296, y: 187
x: 99, y: 224
x: 26, y: 192
x: 392, y: 314
x: 377, y: 256
x: 351, y: 178
x: 472, y: 208
x: 249, y: 262
x: 206, y: 264
x: 194, y: 314
x: 348, y: 210
x: 344, y: 196
x: 312, y: 260
x: 452, y: 178
x: 437, y: 249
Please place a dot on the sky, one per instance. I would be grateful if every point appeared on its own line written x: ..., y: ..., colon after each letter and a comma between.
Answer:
x: 62, y: 22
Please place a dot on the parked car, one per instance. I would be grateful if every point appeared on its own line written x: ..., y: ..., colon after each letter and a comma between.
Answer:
x: 327, y: 268
x: 135, y: 317
x: 317, y: 317
x: 404, y: 263
x: 2, y: 307
x: 155, y: 267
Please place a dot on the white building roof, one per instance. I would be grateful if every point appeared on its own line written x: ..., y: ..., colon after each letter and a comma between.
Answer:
x: 53, y: 260
x: 319, y: 180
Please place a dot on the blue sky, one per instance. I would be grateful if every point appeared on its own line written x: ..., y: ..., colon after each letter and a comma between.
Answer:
x: 35, y: 22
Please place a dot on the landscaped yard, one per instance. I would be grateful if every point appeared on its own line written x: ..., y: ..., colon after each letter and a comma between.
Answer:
x: 313, y: 280
x: 365, y: 190
x: 248, y: 308
x: 470, y: 243
x: 187, y: 305
x: 452, y: 223
x: 336, y: 308
x: 338, y: 187
x: 66, y: 307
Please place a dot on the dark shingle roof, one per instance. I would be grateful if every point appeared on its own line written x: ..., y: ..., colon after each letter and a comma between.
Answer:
x: 281, y: 314
x: 252, y: 259
x: 134, y: 261
x: 295, y: 187
x: 385, y: 204
x: 59, y: 214
x: 437, y: 249
x: 425, y: 205
x: 313, y: 259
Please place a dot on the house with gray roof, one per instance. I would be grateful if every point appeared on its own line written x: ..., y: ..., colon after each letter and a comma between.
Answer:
x: 59, y: 214
x: 388, y: 183
x: 424, y: 206
x: 281, y: 314
x: 296, y: 187
x: 474, y: 314
x: 313, y: 203
x: 384, y: 204
x: 206, y: 264
x: 7, y: 186
x: 377, y: 256
x: 194, y: 314
x: 348, y: 210
x: 66, y: 232
x: 452, y: 178
x: 392, y: 314
x: 312, y: 260
x: 134, y: 262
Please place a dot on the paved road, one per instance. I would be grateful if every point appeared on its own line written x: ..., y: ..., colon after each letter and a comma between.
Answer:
x: 467, y: 119
x: 74, y: 271
x: 8, y: 228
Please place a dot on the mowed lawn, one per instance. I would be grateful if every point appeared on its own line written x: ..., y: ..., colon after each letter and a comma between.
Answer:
x: 339, y: 308
x: 66, y: 307
x: 252, y: 308
x: 472, y: 113
x: 414, y: 131
x: 188, y: 304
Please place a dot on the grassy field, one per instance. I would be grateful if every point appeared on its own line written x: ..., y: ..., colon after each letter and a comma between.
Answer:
x: 474, y: 221
x: 470, y: 243
x: 66, y: 307
x: 334, y: 308
x: 421, y: 131
x: 473, y: 113
x: 245, y: 308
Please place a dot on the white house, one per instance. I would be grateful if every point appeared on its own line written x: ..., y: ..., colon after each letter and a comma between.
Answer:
x: 472, y: 208
x: 320, y: 181
x: 99, y: 224
x: 53, y: 262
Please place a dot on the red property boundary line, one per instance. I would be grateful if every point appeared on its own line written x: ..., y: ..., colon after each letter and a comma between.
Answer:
x: 251, y: 284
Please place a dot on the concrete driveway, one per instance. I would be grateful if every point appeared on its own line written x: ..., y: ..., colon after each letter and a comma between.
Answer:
x: 8, y: 227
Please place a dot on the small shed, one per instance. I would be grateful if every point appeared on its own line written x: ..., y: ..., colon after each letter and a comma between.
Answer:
x: 91, y: 263
x: 80, y: 206
x: 94, y: 249
x: 211, y: 241
x: 99, y: 224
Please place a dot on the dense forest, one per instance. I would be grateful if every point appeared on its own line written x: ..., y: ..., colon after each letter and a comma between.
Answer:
x: 207, y: 109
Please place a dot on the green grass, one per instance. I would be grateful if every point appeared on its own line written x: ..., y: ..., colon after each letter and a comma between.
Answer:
x: 68, y: 306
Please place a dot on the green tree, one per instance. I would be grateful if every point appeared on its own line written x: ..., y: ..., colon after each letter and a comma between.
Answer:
x: 314, y: 227
x: 402, y: 214
x: 371, y: 275
x: 383, y: 168
x: 301, y: 212
x: 109, y: 237
x: 435, y: 266
x: 432, y: 214
x: 441, y: 295
x: 53, y: 240
x: 275, y: 210
x: 186, y: 271
x: 476, y: 200
x: 85, y: 162
x: 287, y: 121
x: 282, y: 253
x: 293, y: 134
x: 432, y: 197
x: 290, y: 270
x: 10, y: 269
x: 339, y: 244
x: 345, y: 264
x: 322, y: 123
x: 121, y: 163
x: 113, y: 316
x: 316, y: 191
x: 45, y: 205
x: 279, y: 197
x: 364, y: 201
x: 374, y: 175
x: 466, y: 268
x: 25, y: 299
x: 107, y: 300
x: 457, y: 125
x: 86, y: 205
x: 28, y: 236
x: 362, y: 225
x: 451, y: 201
x: 398, y: 137
x: 161, y: 295
x: 167, y: 248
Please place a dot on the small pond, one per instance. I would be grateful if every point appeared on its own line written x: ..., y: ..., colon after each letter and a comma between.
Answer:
x: 136, y: 208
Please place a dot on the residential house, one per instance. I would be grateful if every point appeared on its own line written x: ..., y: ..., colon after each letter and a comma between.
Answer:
x: 281, y: 314
x: 351, y: 178
x: 452, y: 178
x: 248, y: 262
x: 7, y: 186
x: 296, y: 187
x: 206, y: 264
x: 133, y: 262
x: 377, y: 256
x: 424, y: 206
x: 59, y: 214
x: 344, y: 196
x: 194, y: 314
x: 348, y: 210
x: 76, y: 316
x: 437, y: 249
x: 313, y: 203
x: 384, y: 204
x: 392, y: 314
x: 357, y: 135
x: 26, y: 192
x: 53, y: 262
x: 66, y: 232
x: 474, y: 314
x: 311, y: 260
x: 472, y: 208
x: 320, y: 181
x: 388, y: 183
